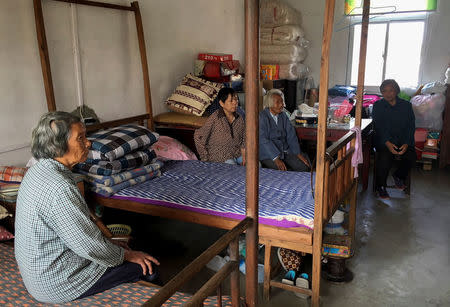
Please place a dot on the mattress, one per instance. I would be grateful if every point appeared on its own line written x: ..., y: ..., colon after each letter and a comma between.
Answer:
x: 285, y: 198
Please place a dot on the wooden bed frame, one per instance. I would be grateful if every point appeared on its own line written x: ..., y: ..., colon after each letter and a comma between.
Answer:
x: 335, y: 181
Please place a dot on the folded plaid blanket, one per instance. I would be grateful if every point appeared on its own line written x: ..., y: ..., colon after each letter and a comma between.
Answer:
x: 108, y: 191
x: 12, y: 173
x: 114, y: 143
x: 123, y: 176
x: 108, y: 168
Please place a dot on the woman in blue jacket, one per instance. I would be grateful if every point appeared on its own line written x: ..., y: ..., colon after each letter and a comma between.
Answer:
x: 278, y: 143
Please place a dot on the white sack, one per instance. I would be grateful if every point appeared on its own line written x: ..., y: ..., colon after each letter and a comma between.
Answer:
x: 293, y: 71
x: 292, y: 50
x: 280, y: 58
x: 281, y: 35
x: 278, y: 13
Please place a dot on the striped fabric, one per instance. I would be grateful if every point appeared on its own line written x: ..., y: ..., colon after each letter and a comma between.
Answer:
x: 114, y: 143
x: 8, y: 191
x: 112, y: 180
x: 127, y: 162
x: 285, y: 198
x: 12, y: 173
x: 110, y: 190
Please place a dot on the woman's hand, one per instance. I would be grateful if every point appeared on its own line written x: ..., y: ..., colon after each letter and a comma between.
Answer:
x: 403, y: 149
x: 280, y: 164
x: 392, y: 148
x: 141, y: 258
x: 304, y: 160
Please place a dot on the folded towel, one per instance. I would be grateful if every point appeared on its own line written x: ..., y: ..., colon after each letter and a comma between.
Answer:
x: 127, y: 162
x: 108, y: 191
x: 109, y: 181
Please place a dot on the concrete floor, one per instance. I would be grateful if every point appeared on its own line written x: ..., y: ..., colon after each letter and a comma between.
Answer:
x: 401, y: 256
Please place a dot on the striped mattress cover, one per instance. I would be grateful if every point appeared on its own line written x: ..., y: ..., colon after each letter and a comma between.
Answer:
x: 285, y: 198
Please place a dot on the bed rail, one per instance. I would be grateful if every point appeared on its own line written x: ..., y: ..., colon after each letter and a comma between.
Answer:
x: 114, y: 123
x: 339, y: 173
x: 231, y: 268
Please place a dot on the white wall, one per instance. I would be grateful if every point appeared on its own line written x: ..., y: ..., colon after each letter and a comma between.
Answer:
x: 175, y: 31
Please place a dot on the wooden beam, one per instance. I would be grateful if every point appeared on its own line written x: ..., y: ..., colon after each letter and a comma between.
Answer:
x: 362, y: 62
x: 251, y: 145
x: 118, y: 122
x: 321, y: 143
x: 145, y: 74
x: 99, y: 4
x: 43, y: 53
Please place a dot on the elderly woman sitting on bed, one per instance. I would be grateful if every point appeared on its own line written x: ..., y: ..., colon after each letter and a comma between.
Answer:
x: 278, y: 143
x: 222, y: 137
x: 61, y: 253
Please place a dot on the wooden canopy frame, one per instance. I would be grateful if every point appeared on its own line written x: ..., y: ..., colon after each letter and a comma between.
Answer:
x: 334, y: 177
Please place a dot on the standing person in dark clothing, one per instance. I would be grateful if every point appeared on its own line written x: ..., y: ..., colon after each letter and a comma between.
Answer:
x: 394, y: 124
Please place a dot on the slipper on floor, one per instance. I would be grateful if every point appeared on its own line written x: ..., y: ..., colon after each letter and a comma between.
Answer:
x: 302, y: 282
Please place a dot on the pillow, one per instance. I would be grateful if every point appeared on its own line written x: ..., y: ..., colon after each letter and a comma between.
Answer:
x: 12, y: 173
x: 170, y: 149
x: 193, y: 95
x: 178, y: 119
x: 114, y: 143
x: 5, y: 235
x: 4, y: 213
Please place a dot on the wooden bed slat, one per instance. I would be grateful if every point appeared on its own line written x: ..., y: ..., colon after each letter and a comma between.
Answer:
x: 118, y: 122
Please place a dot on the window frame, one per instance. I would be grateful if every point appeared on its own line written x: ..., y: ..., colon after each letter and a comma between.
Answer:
x: 385, y: 19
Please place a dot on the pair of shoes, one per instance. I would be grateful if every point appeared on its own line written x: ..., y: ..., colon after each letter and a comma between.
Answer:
x: 382, y: 193
x: 399, y: 183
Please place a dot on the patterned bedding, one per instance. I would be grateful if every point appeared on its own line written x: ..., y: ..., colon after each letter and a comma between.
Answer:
x: 285, y: 198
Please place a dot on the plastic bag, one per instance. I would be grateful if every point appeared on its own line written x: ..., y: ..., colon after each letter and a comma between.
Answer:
x: 428, y: 110
x: 343, y: 110
x: 433, y: 88
x: 281, y: 35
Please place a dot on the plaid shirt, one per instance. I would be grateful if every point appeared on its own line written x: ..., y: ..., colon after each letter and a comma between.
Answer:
x: 60, y: 252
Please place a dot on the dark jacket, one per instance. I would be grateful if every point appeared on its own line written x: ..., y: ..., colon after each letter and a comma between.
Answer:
x: 393, y: 123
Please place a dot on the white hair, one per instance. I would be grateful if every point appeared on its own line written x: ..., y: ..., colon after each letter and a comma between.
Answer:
x: 268, y: 98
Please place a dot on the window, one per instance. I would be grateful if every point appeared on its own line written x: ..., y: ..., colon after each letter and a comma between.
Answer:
x: 393, y: 52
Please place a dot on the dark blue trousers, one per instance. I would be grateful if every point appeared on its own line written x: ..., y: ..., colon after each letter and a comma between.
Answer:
x: 124, y: 273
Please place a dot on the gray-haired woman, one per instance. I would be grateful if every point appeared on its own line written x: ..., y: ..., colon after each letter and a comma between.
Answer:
x: 61, y: 253
x: 278, y: 143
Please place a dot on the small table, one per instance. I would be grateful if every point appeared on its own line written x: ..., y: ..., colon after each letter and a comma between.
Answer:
x: 335, y: 132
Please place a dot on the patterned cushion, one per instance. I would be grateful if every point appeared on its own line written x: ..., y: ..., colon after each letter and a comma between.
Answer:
x: 5, y: 235
x: 4, y: 213
x: 193, y: 95
x: 170, y: 149
x: 179, y: 119
x: 289, y: 259
x: 127, y: 162
x: 113, y: 143
x: 14, y: 293
x: 12, y: 173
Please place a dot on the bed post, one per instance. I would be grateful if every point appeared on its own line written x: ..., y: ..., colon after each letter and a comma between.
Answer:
x: 43, y: 53
x: 362, y: 62
x: 359, y: 105
x: 143, y: 52
x: 321, y: 144
x: 251, y: 145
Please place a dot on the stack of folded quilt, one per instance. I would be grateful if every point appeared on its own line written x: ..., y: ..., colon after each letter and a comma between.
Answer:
x: 10, y: 179
x: 120, y: 157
